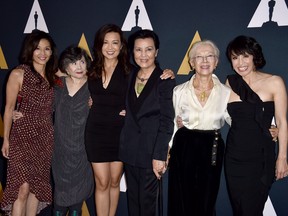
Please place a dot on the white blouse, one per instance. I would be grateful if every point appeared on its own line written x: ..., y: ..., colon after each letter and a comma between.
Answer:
x: 194, y: 116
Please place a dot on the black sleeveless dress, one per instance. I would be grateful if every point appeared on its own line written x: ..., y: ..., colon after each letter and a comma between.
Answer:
x: 250, y: 151
x: 104, y: 124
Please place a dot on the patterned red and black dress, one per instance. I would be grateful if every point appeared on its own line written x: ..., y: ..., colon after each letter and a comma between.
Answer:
x: 31, y: 142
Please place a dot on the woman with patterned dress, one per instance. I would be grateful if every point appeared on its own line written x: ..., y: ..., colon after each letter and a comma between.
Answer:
x: 29, y: 141
x: 72, y: 172
x: 251, y: 164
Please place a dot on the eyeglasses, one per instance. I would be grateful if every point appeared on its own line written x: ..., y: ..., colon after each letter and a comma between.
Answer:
x: 208, y: 58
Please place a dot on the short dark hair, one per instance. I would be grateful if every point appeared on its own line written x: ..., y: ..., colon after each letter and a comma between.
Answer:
x: 244, y: 44
x: 72, y: 54
x: 142, y: 34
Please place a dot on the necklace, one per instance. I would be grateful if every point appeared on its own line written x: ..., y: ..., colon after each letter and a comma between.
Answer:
x: 140, y: 86
x: 203, y: 96
x: 204, y: 93
x: 141, y: 79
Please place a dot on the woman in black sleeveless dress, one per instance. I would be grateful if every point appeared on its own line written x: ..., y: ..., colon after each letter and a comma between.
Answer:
x: 107, y: 85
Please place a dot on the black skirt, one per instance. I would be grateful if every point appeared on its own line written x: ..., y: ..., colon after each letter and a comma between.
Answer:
x: 194, y: 172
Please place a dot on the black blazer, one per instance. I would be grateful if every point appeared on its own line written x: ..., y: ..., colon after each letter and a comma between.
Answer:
x: 149, y: 121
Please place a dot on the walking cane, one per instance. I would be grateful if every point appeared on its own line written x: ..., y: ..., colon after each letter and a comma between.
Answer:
x: 160, y: 197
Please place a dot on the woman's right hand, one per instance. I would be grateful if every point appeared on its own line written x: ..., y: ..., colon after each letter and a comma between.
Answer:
x: 90, y: 102
x: 179, y: 122
x: 5, y: 149
x: 16, y: 115
x: 274, y: 131
x: 122, y: 113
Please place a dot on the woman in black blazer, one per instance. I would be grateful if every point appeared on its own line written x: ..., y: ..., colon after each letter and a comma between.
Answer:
x: 148, y: 125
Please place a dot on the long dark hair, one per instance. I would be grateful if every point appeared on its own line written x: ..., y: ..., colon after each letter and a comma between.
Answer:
x: 30, y: 44
x: 98, y: 62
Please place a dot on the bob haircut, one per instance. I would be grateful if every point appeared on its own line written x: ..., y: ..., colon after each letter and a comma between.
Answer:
x: 242, y: 45
x: 194, y: 47
x: 72, y: 54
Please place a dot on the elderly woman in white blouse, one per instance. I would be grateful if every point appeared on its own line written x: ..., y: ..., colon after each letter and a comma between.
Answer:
x: 197, y: 150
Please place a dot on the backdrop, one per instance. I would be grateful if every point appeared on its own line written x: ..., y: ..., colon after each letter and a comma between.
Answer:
x: 178, y: 24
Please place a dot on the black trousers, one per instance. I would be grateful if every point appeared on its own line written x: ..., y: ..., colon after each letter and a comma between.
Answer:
x: 142, y: 191
x: 194, y: 172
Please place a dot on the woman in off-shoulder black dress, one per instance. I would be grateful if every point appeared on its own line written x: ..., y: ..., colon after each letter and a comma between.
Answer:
x: 250, y: 152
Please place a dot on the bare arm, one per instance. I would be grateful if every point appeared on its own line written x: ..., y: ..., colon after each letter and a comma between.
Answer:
x: 280, y: 100
x: 12, y: 89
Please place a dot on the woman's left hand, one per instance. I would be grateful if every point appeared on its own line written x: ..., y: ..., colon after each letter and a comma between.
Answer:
x: 16, y: 115
x: 281, y: 170
x: 167, y: 73
x: 158, y: 168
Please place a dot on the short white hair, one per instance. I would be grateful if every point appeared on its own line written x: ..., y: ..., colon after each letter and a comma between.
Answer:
x: 192, y: 51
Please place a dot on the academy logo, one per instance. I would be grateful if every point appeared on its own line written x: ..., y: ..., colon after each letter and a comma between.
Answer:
x: 83, y: 44
x: 3, y: 64
x: 36, y: 19
x: 270, y: 13
x: 269, y: 209
x: 185, y: 66
x: 137, y: 17
x: 123, y: 184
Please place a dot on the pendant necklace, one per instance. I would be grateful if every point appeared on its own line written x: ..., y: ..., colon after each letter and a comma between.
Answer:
x: 203, y: 95
x: 140, y: 86
x: 141, y: 79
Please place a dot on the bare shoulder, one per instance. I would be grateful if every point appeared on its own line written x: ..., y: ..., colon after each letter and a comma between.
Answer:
x: 17, y: 73
x: 274, y: 83
x: 268, y: 78
x: 15, y: 80
x: 274, y: 79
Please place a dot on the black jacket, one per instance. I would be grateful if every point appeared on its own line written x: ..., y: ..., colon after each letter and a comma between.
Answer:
x: 148, y: 122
